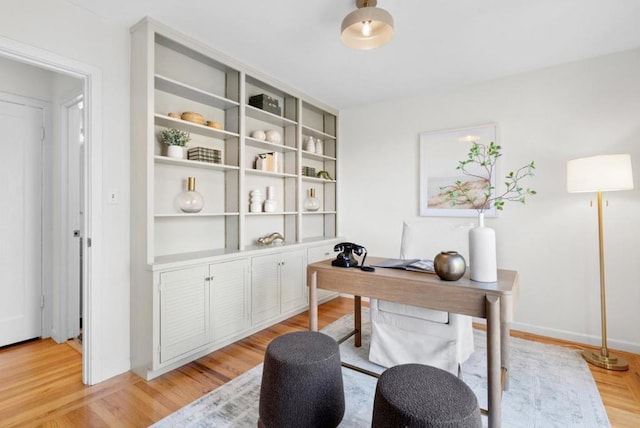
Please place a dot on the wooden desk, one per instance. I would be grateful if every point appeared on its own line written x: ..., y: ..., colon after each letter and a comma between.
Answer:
x: 491, y: 301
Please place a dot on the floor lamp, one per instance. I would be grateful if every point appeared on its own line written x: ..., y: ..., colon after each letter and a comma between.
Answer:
x: 601, y: 174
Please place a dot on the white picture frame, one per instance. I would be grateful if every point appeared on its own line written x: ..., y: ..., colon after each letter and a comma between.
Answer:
x: 440, y: 154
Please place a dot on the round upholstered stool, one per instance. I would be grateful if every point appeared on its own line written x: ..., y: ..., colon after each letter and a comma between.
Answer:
x: 415, y: 395
x: 301, y: 382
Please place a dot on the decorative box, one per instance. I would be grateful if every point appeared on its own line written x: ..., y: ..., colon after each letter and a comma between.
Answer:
x: 266, y: 103
x: 204, y: 154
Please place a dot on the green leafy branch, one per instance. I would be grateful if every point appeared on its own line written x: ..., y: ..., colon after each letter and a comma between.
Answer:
x: 486, y: 157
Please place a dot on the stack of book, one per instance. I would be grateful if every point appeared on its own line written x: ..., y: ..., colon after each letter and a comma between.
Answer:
x: 308, y: 171
x: 204, y: 154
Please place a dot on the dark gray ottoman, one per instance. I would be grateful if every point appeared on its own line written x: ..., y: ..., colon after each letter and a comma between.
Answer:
x: 415, y: 395
x: 301, y: 382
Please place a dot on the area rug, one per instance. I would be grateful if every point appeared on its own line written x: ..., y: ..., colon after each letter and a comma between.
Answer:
x: 550, y: 386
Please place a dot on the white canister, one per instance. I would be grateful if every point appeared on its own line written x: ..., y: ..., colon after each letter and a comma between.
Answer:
x: 319, y: 148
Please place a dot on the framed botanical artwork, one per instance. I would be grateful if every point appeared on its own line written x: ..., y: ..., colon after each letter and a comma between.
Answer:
x: 440, y: 155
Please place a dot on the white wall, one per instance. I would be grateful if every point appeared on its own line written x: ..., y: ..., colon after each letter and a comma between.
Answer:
x: 89, y: 40
x: 550, y: 116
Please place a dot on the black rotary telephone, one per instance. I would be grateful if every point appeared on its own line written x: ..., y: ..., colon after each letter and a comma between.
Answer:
x: 346, y: 256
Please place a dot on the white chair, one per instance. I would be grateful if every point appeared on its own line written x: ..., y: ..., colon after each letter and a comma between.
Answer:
x: 404, y: 334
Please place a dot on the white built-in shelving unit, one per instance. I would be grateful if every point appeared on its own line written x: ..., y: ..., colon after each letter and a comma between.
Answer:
x: 174, y: 254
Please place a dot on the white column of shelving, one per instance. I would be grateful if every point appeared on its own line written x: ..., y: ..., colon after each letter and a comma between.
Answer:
x: 300, y: 197
x: 242, y: 206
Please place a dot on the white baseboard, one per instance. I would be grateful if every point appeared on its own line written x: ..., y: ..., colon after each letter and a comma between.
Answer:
x: 576, y: 337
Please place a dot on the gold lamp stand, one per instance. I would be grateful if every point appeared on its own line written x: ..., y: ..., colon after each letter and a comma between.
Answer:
x: 603, y: 358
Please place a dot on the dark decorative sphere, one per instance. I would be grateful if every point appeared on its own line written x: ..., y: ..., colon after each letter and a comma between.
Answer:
x: 449, y: 265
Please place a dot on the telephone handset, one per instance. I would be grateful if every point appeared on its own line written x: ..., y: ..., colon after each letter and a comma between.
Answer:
x: 346, y: 256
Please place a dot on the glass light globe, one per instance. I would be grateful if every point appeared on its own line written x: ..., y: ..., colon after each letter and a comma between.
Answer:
x: 311, y: 203
x: 191, y: 201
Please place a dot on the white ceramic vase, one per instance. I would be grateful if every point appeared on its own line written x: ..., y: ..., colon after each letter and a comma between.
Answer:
x: 175, y: 152
x: 482, y: 252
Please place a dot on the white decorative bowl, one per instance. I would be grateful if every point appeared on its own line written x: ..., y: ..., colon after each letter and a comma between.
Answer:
x: 273, y: 136
x: 258, y: 135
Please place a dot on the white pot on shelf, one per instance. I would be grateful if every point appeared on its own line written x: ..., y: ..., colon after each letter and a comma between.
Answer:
x: 482, y: 252
x: 175, y: 152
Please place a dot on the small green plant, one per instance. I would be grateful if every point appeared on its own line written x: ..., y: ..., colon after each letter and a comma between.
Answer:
x: 482, y: 197
x: 175, y: 137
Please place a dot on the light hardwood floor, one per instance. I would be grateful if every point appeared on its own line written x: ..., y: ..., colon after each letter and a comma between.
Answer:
x: 41, y: 382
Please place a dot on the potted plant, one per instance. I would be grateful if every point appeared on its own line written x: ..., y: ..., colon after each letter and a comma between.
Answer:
x: 175, y: 141
x: 480, y: 193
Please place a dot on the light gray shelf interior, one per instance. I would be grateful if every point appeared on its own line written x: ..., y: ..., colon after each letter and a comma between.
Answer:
x: 183, y: 90
x: 183, y: 125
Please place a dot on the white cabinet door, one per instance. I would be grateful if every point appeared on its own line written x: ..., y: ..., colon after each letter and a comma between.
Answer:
x: 293, y: 288
x: 184, y: 311
x: 265, y: 288
x: 229, y: 292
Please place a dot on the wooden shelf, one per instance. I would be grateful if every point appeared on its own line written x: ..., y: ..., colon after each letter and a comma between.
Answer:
x: 273, y: 213
x: 183, y: 125
x: 311, y: 155
x: 265, y: 116
x: 269, y: 173
x: 306, y: 130
x: 271, y: 147
x: 191, y: 256
x: 191, y: 215
x: 317, y: 180
x: 182, y: 90
x: 194, y: 164
x: 318, y: 212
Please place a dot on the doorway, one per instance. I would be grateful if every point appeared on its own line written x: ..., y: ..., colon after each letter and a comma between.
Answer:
x: 91, y: 79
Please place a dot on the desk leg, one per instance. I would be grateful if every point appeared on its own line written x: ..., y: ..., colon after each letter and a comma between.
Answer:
x: 494, y: 373
x: 505, y: 352
x: 313, y: 302
x: 357, y: 318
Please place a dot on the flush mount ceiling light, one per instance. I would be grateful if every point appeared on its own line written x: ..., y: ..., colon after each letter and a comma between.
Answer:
x: 368, y: 27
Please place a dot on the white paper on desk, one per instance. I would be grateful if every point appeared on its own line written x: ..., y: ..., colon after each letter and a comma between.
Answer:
x: 416, y: 265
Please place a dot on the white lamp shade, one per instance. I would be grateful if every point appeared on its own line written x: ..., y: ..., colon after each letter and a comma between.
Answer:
x: 380, y: 33
x: 600, y: 174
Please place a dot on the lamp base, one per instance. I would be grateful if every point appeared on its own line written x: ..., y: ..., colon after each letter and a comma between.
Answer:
x: 610, y: 362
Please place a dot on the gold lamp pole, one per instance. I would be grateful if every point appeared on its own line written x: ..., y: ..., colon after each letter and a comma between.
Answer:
x: 601, y: 173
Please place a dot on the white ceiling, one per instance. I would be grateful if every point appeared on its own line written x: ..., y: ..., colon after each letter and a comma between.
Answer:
x: 437, y: 44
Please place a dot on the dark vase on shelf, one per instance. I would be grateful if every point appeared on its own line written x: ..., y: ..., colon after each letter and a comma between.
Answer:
x: 449, y: 265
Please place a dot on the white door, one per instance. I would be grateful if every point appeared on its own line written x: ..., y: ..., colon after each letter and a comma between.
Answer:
x: 20, y: 222
x: 75, y: 204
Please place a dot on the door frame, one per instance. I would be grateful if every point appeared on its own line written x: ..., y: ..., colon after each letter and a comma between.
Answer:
x: 92, y: 266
